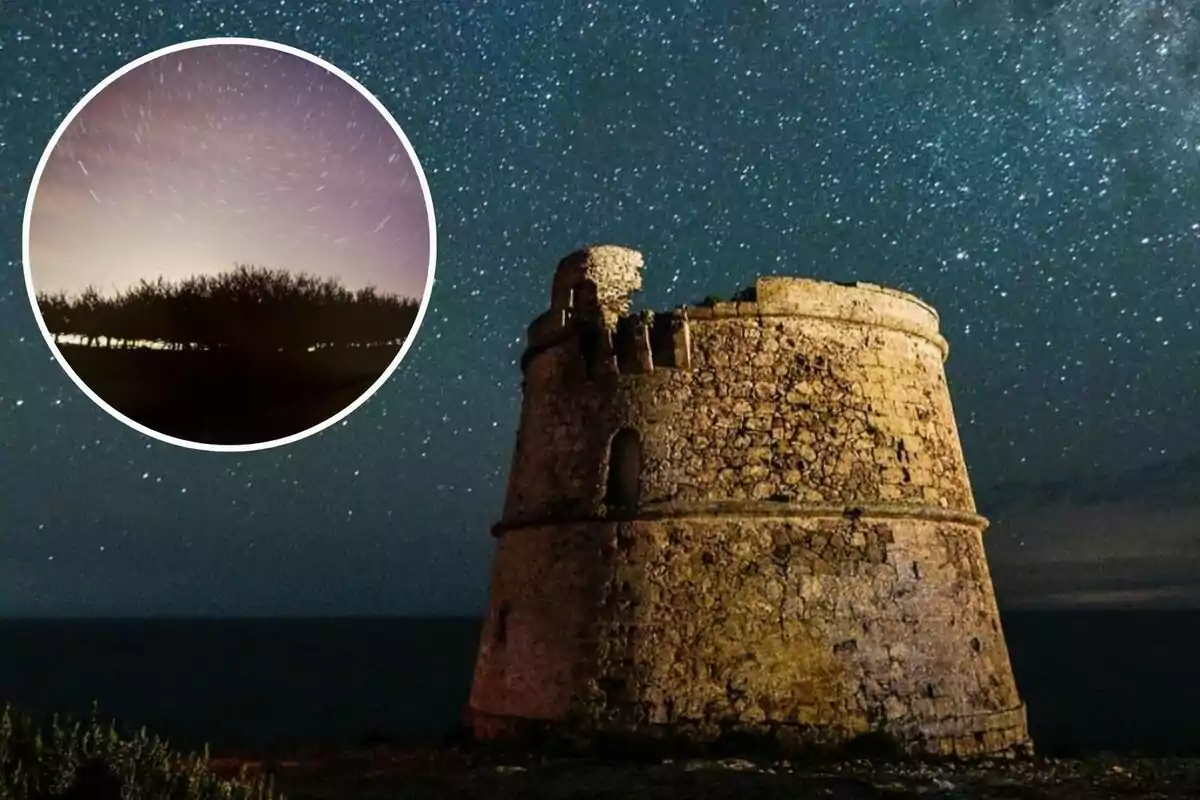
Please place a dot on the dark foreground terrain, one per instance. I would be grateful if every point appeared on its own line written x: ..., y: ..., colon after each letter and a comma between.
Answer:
x: 378, y: 774
x: 215, y: 397
x: 1095, y: 682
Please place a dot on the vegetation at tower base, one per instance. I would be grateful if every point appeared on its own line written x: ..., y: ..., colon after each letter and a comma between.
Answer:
x: 247, y: 356
x: 741, y: 525
x: 92, y: 760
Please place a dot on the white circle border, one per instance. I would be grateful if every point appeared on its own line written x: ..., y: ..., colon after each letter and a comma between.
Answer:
x: 429, y: 278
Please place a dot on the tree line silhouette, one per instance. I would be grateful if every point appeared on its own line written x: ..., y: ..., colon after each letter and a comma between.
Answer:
x: 247, y: 308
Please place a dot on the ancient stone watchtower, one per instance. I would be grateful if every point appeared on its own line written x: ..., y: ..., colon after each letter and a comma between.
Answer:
x: 747, y: 519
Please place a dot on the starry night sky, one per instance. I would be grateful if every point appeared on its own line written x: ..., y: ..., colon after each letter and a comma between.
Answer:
x: 224, y: 154
x: 1031, y: 168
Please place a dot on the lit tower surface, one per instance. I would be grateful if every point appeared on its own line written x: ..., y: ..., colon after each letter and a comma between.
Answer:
x: 748, y: 521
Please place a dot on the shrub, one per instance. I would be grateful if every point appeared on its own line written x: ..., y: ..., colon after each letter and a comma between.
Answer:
x: 71, y: 759
x: 248, y: 307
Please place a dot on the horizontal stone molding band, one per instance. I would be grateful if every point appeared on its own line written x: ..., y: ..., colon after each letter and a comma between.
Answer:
x: 988, y: 733
x: 760, y: 509
x: 956, y: 727
x: 966, y: 725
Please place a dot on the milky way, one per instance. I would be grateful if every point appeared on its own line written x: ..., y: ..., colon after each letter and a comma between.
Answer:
x: 223, y: 154
x: 1030, y: 168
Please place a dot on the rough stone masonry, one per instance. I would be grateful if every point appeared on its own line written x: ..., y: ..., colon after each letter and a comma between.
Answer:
x: 749, y: 519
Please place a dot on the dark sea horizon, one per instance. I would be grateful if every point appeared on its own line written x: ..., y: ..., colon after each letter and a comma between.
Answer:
x: 1095, y: 681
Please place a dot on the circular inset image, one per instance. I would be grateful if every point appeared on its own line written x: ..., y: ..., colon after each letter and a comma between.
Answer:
x: 229, y: 244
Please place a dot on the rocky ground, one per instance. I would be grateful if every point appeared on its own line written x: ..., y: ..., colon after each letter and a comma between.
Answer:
x: 388, y: 773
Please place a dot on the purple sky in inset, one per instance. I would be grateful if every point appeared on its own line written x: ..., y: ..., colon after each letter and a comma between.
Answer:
x: 225, y: 154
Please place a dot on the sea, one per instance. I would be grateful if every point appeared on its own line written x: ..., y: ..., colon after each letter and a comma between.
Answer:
x: 1116, y: 682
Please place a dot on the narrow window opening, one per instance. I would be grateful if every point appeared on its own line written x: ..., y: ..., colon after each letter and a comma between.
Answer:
x: 662, y: 340
x: 624, y: 470
x: 633, y: 353
x: 502, y: 623
x: 591, y: 346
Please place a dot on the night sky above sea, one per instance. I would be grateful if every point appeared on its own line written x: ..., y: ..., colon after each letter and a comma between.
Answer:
x: 1032, y: 169
x: 207, y: 157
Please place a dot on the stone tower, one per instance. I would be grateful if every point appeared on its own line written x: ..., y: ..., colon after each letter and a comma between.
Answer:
x: 745, y: 520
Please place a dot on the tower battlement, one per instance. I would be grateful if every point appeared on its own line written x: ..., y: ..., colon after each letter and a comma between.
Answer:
x: 751, y: 515
x: 590, y: 302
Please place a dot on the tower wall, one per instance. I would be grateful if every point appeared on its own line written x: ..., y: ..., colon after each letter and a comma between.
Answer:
x: 808, y: 408
x: 796, y: 553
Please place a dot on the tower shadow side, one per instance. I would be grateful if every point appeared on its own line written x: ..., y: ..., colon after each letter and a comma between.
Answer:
x: 744, y: 525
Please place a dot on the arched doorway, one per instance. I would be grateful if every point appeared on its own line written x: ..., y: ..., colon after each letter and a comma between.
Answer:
x: 624, y: 470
